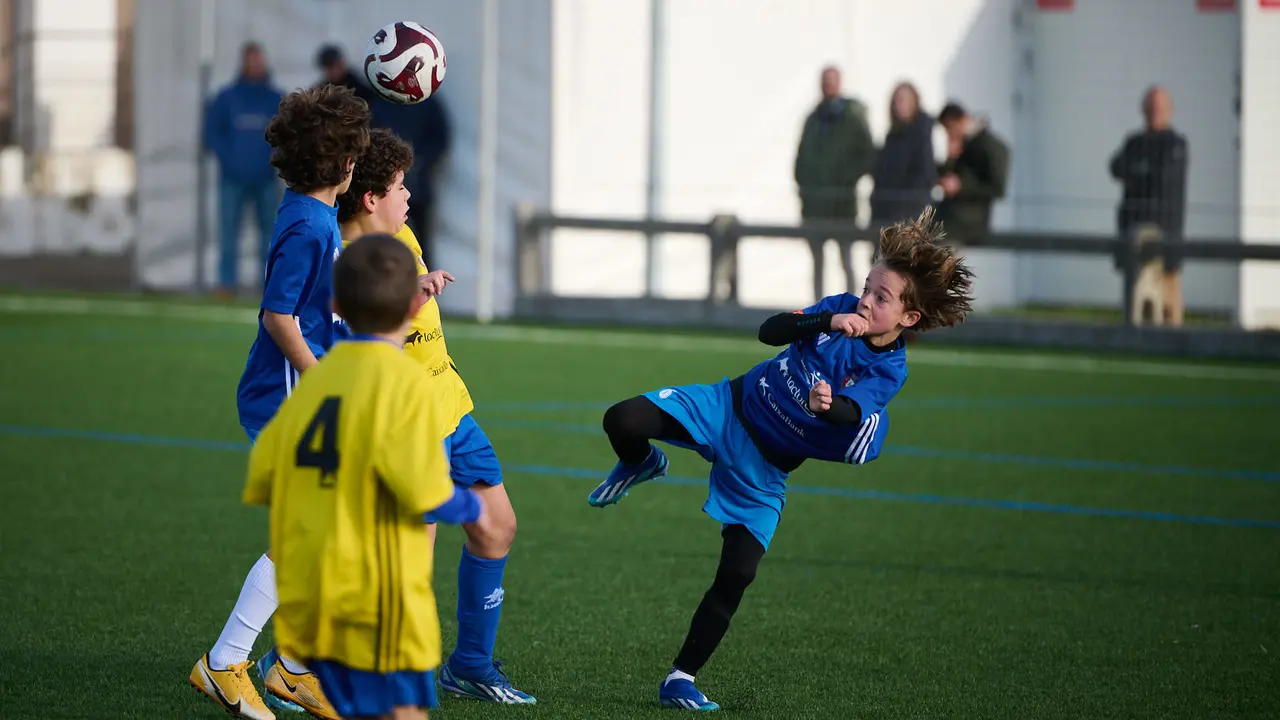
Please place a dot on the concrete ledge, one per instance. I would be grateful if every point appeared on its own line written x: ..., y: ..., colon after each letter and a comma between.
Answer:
x: 1188, y: 342
x: 88, y: 272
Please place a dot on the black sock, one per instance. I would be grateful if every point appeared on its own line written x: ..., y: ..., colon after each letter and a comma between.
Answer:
x: 632, y: 423
x: 739, y: 559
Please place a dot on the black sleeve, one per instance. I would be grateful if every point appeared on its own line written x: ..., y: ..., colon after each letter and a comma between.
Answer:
x: 786, y: 328
x: 843, y: 411
x: 1122, y: 161
x: 1174, y: 173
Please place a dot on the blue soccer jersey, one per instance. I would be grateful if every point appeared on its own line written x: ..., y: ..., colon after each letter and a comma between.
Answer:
x: 775, y: 396
x: 299, y: 282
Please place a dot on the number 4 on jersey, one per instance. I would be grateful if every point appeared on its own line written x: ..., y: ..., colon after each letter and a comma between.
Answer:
x: 325, y: 458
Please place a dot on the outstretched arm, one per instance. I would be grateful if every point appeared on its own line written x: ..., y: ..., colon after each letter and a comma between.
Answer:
x: 786, y: 328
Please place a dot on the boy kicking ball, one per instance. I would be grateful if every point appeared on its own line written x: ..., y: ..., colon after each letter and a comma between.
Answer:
x: 823, y: 397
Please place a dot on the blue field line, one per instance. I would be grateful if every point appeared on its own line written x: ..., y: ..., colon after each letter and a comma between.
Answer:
x: 931, y: 499
x: 958, y: 403
x: 1016, y: 403
x: 1082, y: 464
x: 963, y: 455
x: 553, y: 406
x: 123, y: 438
x: 28, y: 336
x: 583, y: 473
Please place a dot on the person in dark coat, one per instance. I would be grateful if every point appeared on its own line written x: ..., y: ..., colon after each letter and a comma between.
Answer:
x: 975, y: 175
x: 335, y: 71
x: 906, y: 172
x: 234, y: 127
x: 1152, y: 165
x: 835, y: 151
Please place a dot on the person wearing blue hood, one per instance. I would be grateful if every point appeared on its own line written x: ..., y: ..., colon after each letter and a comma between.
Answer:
x: 234, y: 125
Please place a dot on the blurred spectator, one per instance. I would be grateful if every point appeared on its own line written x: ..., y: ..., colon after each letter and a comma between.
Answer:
x: 1152, y: 165
x: 235, y: 123
x: 425, y: 126
x: 974, y: 176
x: 335, y: 71
x: 905, y: 169
x: 835, y: 151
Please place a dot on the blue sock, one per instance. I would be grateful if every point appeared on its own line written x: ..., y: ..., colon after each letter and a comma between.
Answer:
x: 479, y: 609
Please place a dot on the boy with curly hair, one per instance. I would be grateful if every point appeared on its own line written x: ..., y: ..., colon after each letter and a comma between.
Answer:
x: 377, y: 202
x: 824, y: 397
x: 317, y: 137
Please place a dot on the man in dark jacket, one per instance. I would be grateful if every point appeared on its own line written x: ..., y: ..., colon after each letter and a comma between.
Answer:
x: 1152, y: 165
x: 234, y: 127
x: 425, y: 126
x: 975, y: 175
x: 835, y: 151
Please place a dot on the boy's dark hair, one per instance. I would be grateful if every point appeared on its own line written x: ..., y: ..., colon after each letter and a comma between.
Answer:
x: 386, y: 155
x: 315, y: 133
x: 951, y: 111
x: 375, y: 280
x: 939, y: 284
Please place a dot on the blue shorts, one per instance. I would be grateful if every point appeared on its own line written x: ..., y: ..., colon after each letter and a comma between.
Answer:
x: 359, y: 693
x: 744, y: 488
x: 471, y: 457
x: 252, y: 433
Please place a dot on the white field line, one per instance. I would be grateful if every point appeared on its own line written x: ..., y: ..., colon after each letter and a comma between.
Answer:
x: 987, y: 360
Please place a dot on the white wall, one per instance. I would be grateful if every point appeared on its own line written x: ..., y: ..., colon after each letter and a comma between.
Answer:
x: 1061, y: 88
x: 1090, y: 68
x: 292, y: 31
x: 65, y: 76
x: 1260, y: 169
x: 600, y: 90
x: 742, y: 75
x: 74, y: 57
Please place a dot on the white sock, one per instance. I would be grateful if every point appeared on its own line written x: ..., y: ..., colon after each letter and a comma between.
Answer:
x: 678, y: 675
x: 253, y: 609
x: 293, y: 666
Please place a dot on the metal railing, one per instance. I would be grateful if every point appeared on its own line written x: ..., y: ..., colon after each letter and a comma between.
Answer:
x: 724, y: 232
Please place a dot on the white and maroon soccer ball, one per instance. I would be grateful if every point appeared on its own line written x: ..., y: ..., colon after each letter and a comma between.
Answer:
x: 404, y: 63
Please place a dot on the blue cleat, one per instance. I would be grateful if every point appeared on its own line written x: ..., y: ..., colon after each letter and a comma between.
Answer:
x: 678, y: 692
x: 623, y: 478
x: 495, y: 687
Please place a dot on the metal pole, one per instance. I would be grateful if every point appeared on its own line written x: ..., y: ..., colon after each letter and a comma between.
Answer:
x: 653, y: 185
x: 488, y: 165
x: 207, y: 38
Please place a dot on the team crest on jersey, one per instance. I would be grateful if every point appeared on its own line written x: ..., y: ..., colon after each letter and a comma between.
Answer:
x: 849, y: 381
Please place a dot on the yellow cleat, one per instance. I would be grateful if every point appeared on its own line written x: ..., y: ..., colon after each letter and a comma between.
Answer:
x: 230, y: 688
x: 289, y: 691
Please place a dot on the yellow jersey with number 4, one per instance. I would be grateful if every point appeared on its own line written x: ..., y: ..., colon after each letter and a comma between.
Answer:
x: 348, y: 465
x: 425, y: 344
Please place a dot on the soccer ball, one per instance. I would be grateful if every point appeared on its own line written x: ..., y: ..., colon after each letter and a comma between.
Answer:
x: 404, y: 63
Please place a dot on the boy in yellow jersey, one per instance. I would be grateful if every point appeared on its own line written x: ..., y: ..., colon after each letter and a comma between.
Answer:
x: 348, y: 467
x: 377, y: 202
